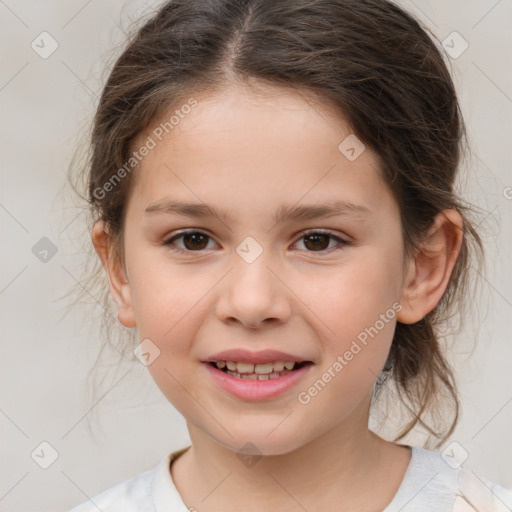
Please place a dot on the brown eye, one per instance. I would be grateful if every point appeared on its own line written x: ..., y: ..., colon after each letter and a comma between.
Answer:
x: 192, y: 241
x: 197, y: 241
x: 319, y: 241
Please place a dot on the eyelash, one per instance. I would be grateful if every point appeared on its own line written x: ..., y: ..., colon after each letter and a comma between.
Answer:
x: 170, y: 242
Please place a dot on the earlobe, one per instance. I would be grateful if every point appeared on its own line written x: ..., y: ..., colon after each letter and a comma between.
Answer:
x: 118, y: 282
x: 429, y: 272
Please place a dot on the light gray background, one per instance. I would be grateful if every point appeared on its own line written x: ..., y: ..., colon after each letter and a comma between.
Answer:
x: 45, y: 104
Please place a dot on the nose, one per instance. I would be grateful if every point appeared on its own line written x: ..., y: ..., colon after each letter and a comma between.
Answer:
x: 253, y: 295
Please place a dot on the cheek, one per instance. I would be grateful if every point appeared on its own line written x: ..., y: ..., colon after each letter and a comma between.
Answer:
x: 163, y: 295
x: 171, y: 322
x: 166, y: 308
x: 358, y: 319
x: 355, y: 308
x: 354, y: 296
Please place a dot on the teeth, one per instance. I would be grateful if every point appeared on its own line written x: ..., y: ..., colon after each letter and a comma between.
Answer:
x: 261, y: 369
x: 251, y: 376
x: 244, y: 367
x: 278, y: 366
x: 255, y: 376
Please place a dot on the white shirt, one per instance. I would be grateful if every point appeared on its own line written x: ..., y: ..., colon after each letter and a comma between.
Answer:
x: 432, y: 483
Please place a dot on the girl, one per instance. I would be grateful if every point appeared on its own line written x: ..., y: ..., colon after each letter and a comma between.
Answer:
x: 272, y: 185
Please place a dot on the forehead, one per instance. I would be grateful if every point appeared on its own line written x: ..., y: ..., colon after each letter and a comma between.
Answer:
x: 242, y: 148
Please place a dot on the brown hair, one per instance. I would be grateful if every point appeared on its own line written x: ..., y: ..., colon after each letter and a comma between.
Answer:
x: 374, y: 64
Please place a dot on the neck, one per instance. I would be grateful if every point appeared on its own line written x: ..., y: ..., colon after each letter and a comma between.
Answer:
x: 346, y: 468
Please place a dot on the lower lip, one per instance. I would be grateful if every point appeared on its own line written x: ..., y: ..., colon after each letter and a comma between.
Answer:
x: 257, y: 390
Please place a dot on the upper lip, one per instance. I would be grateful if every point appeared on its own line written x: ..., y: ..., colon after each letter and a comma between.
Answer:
x: 248, y: 356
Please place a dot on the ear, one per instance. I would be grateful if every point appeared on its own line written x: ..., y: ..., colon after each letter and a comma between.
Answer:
x: 119, y: 286
x: 429, y: 271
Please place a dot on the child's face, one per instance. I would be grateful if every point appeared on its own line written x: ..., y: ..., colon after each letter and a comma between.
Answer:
x: 313, y: 298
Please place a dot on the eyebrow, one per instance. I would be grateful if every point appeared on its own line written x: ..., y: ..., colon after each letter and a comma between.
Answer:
x: 286, y: 212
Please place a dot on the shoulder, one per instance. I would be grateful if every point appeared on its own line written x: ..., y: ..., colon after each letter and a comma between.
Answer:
x: 480, y: 494
x: 436, y: 481
x: 129, y: 495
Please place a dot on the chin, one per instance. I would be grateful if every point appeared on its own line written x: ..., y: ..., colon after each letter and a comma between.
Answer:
x: 259, y: 443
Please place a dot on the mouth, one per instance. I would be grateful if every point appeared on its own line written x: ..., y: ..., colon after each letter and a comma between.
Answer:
x: 259, y: 371
x: 255, y: 382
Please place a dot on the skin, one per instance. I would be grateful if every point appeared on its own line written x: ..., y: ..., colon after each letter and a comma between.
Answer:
x: 250, y: 152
